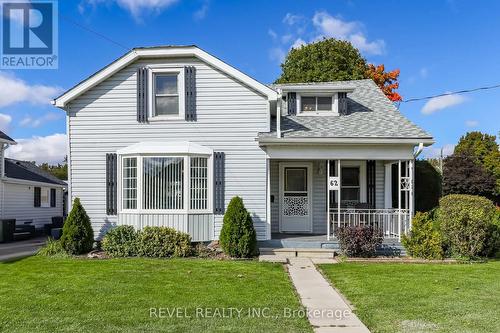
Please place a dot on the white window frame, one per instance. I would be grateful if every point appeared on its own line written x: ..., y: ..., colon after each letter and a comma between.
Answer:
x: 332, y: 112
x: 361, y: 165
x: 186, y: 187
x: 46, y: 204
x: 152, y: 72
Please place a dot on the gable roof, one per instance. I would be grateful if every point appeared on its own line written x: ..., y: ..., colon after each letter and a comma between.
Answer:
x: 29, y: 171
x: 371, y: 117
x: 158, y: 52
x: 5, y: 138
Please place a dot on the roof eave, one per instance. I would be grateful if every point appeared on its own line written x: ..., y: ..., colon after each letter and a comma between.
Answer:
x: 263, y: 141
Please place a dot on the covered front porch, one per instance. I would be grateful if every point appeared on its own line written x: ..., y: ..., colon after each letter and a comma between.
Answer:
x: 310, y: 199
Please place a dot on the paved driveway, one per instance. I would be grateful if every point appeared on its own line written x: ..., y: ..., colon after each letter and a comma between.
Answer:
x: 19, y: 249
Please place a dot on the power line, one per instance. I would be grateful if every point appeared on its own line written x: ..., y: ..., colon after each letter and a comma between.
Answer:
x: 81, y: 26
x: 451, y: 93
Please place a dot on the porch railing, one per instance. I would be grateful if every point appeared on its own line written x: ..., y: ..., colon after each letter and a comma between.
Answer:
x: 393, y: 222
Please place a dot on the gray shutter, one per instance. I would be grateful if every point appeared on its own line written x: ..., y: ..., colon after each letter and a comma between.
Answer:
x: 111, y: 184
x: 342, y: 102
x: 219, y: 175
x: 292, y: 103
x: 370, y: 182
x: 142, y: 95
x: 190, y: 90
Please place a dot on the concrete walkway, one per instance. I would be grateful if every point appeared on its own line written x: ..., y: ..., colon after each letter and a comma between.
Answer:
x: 327, y: 310
x: 20, y: 249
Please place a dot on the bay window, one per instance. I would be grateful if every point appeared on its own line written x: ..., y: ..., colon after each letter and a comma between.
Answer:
x: 165, y: 183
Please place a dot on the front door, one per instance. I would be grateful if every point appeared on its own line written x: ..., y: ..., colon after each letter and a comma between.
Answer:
x: 295, y: 197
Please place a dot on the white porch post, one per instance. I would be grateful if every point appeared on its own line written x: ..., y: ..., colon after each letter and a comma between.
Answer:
x: 339, y: 192
x: 412, y: 188
x: 399, y: 200
x: 328, y: 200
x: 388, y: 186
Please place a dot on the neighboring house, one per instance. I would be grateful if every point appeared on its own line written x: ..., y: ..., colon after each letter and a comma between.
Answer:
x: 166, y: 136
x: 27, y: 193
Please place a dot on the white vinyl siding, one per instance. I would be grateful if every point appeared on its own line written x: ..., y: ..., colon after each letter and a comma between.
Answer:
x: 229, y: 116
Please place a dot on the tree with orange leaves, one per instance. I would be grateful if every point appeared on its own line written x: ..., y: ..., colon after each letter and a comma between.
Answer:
x: 387, y: 81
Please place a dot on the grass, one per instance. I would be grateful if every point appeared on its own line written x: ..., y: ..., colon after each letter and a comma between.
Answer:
x: 41, y: 294
x: 422, y: 297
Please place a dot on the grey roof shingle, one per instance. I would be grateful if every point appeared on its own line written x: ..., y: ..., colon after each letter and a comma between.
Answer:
x: 29, y: 171
x: 5, y: 137
x: 370, y: 115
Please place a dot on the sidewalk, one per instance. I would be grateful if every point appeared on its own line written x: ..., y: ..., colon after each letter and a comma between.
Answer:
x: 327, y: 310
x: 20, y: 249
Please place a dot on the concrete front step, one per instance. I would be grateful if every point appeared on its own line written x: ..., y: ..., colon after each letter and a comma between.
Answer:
x: 299, y: 252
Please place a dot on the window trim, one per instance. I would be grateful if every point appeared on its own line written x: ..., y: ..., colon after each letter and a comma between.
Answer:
x: 361, y: 164
x: 187, y: 184
x: 333, y: 112
x: 152, y: 72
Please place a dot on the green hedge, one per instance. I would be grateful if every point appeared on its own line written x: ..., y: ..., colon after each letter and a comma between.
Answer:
x: 467, y: 223
x: 237, y: 237
x: 157, y: 242
x: 424, y: 240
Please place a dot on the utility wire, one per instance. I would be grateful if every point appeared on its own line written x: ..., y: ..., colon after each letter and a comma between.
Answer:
x: 81, y: 26
x: 451, y: 93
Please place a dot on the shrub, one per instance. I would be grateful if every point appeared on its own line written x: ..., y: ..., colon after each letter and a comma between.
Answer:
x: 427, y: 186
x: 77, y: 236
x: 359, y: 241
x: 493, y: 244
x: 466, y: 223
x: 120, y: 241
x: 237, y: 237
x: 53, y: 248
x: 424, y: 239
x: 163, y: 242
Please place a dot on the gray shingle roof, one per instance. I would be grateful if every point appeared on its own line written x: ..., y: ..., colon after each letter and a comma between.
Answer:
x: 5, y: 137
x: 371, y: 115
x: 29, y: 171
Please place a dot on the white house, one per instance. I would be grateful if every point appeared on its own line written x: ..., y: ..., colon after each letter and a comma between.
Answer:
x: 166, y: 136
x: 27, y: 193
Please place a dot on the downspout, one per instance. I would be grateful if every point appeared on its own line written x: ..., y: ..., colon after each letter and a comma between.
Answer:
x: 278, y: 114
x: 419, y: 150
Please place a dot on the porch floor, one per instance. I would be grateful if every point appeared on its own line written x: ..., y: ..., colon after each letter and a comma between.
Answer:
x: 390, y: 246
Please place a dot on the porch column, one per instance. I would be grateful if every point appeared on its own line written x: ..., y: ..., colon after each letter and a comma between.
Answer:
x: 411, y: 184
x: 339, y: 173
x: 388, y: 186
x: 399, y: 200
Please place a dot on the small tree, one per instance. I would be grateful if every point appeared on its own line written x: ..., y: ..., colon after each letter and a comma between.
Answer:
x: 463, y: 175
x: 77, y: 236
x: 237, y: 237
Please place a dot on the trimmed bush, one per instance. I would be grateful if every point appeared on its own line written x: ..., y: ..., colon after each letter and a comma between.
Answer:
x: 53, y: 248
x: 493, y: 244
x: 359, y: 241
x: 77, y: 236
x: 424, y: 240
x: 120, y: 241
x: 163, y: 242
x: 466, y: 223
x: 237, y: 237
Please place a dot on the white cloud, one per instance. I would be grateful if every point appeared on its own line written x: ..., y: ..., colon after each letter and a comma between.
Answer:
x: 435, y: 152
x: 273, y: 34
x: 471, y: 123
x: 442, y: 102
x: 292, y: 19
x: 138, y: 7
x: 29, y: 121
x: 41, y: 149
x: 329, y: 26
x: 202, y: 12
x: 5, y: 121
x: 277, y: 54
x: 15, y: 90
x: 298, y: 43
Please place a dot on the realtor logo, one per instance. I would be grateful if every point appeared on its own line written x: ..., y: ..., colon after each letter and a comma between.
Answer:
x: 29, y: 35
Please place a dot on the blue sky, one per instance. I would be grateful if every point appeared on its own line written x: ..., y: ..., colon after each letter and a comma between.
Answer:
x: 439, y: 46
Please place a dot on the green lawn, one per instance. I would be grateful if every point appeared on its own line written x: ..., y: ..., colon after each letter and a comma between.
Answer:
x: 69, y: 295
x: 422, y: 297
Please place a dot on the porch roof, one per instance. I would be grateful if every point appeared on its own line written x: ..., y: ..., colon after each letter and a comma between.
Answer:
x: 370, y: 116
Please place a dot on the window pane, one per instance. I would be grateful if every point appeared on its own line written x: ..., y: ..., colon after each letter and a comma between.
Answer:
x: 167, y: 105
x: 163, y: 183
x: 350, y: 177
x: 324, y: 103
x: 199, y: 183
x: 296, y: 179
x: 129, y: 188
x: 308, y: 103
x: 166, y: 84
x: 350, y: 194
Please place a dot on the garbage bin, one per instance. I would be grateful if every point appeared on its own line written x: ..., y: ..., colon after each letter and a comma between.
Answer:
x: 7, y: 228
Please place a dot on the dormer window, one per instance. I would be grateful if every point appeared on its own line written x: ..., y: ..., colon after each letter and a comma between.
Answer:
x: 316, y: 103
x: 167, y: 93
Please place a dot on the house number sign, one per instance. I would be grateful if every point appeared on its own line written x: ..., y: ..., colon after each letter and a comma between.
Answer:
x: 334, y: 183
